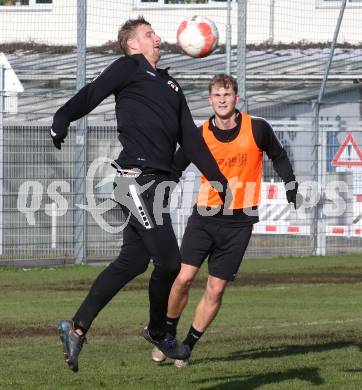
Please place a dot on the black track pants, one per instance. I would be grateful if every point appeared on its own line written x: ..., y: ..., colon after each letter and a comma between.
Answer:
x: 140, y: 244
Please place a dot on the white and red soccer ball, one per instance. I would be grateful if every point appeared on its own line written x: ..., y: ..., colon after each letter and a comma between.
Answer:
x: 197, y: 36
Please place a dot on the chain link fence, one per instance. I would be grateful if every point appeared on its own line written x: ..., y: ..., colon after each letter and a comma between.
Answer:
x: 39, y: 205
x: 53, y: 213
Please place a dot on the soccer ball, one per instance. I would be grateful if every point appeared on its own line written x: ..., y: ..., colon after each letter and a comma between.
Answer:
x: 197, y: 36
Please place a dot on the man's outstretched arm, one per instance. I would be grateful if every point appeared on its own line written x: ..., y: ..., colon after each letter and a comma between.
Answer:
x: 196, y: 150
x: 267, y: 141
x: 86, y: 99
x: 180, y: 163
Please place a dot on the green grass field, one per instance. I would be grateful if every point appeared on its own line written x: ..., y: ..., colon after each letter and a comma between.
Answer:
x: 286, y: 323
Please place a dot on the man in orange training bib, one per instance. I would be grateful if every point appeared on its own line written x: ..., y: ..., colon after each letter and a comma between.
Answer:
x: 237, y: 142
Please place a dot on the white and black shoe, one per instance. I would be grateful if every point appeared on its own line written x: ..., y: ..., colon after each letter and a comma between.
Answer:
x: 169, y: 346
x: 157, y: 355
x: 182, y: 363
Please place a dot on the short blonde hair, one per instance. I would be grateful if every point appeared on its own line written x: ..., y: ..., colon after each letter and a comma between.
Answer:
x: 127, y: 30
x: 224, y: 80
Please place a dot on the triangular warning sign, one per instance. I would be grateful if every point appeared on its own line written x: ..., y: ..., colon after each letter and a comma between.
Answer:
x: 348, y: 154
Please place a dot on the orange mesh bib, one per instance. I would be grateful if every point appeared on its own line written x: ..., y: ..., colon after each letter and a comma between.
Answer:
x: 240, y: 161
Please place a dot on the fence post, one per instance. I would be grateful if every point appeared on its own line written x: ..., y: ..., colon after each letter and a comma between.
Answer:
x: 2, y: 110
x: 241, y: 53
x: 319, y: 226
x: 318, y: 231
x: 271, y: 21
x: 80, y: 165
x: 228, y: 38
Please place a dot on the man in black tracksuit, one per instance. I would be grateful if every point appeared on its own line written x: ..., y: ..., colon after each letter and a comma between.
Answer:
x: 152, y: 117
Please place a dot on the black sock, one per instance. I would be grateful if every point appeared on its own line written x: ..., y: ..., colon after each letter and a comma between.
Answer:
x: 171, y: 325
x: 192, y: 337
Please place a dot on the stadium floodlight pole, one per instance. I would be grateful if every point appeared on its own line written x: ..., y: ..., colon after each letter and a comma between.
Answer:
x: 228, y: 38
x: 2, y: 110
x: 320, y: 162
x: 331, y: 54
x: 80, y: 165
x: 241, y: 54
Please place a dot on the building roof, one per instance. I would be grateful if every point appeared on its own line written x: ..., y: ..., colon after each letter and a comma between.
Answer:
x: 273, y: 77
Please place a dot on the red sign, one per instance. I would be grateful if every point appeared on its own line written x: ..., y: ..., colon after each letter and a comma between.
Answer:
x: 348, y: 154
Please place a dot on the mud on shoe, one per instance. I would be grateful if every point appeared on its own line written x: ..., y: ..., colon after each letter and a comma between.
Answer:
x: 72, y: 343
x: 182, y: 363
x: 169, y: 346
x: 157, y: 355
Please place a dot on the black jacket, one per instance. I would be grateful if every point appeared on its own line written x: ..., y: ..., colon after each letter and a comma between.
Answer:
x: 152, y: 116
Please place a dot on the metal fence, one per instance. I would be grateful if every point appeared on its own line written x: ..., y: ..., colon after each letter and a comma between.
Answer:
x: 52, y: 210
x: 39, y: 196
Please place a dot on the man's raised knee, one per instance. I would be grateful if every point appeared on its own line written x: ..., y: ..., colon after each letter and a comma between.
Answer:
x: 183, y: 281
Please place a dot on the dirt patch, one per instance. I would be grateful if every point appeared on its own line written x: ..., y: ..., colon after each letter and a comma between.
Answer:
x: 348, y: 336
x: 241, y: 280
x: 259, y: 279
x: 76, y: 285
x: 299, y: 278
x: 8, y: 331
x: 263, y: 345
x: 279, y: 346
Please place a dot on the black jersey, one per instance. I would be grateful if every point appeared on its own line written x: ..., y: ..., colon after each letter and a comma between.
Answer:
x: 266, y: 140
x: 152, y: 116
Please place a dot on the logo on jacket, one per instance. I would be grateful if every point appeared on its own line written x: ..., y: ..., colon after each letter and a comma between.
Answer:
x: 172, y: 85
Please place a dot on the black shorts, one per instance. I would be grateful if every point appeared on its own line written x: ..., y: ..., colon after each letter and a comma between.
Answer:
x: 222, y: 243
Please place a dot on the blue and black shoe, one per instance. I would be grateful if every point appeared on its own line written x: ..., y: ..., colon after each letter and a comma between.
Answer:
x: 72, y: 343
x: 169, y: 346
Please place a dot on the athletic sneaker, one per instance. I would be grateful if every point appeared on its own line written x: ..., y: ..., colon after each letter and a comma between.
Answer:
x: 72, y: 343
x: 169, y: 346
x: 182, y: 363
x: 157, y: 355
